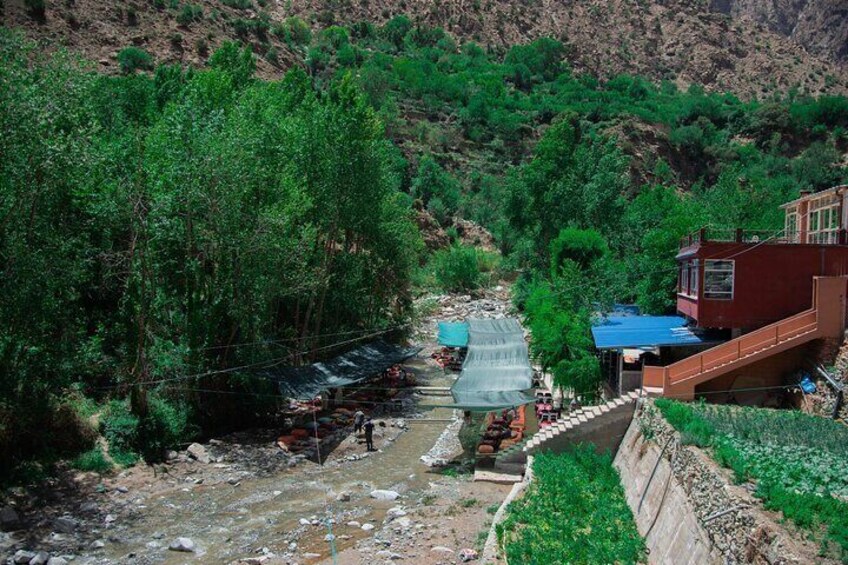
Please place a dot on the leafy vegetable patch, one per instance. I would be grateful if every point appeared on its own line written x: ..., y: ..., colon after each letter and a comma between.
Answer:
x: 799, y: 462
x: 574, y: 512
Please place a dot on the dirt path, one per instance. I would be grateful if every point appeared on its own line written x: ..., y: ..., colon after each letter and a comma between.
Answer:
x: 247, y: 505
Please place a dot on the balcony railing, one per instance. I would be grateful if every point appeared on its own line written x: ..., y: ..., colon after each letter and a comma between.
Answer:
x: 838, y: 237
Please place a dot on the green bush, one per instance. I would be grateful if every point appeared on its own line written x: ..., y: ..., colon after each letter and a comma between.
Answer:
x: 165, y: 426
x: 574, y: 512
x: 293, y: 30
x: 36, y: 8
x: 120, y: 427
x: 132, y: 59
x: 238, y: 4
x: 456, y: 268
x: 92, y: 460
x: 189, y: 13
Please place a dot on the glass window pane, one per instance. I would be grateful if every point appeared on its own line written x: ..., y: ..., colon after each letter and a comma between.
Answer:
x: 718, y: 279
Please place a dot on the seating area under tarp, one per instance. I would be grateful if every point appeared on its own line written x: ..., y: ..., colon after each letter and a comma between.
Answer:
x: 496, y: 372
x: 305, y: 383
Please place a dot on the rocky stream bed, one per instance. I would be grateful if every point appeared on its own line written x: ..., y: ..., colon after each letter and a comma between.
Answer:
x: 241, y: 499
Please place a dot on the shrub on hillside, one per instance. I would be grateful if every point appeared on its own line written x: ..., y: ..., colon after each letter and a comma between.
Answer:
x: 189, y: 13
x: 92, y: 460
x: 132, y: 59
x: 164, y: 427
x: 293, y: 30
x: 456, y: 268
x: 36, y: 8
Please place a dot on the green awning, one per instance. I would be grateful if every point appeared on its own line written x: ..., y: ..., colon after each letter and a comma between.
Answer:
x: 482, y: 401
x: 358, y: 364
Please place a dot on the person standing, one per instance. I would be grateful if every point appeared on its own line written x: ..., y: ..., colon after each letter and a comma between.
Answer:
x: 369, y: 435
x: 358, y: 420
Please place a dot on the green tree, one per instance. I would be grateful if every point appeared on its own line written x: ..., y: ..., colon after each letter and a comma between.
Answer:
x: 238, y: 63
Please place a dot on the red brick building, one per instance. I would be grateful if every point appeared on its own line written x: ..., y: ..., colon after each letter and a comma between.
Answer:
x: 773, y: 292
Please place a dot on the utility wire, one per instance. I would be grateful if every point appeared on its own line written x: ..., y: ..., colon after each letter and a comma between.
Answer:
x: 267, y: 364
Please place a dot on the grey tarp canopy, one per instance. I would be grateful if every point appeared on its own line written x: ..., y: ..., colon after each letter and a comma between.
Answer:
x: 496, y: 372
x: 489, y: 401
x: 304, y: 383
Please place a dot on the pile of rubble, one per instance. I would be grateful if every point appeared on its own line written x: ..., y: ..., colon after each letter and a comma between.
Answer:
x: 491, y: 303
x: 447, y: 447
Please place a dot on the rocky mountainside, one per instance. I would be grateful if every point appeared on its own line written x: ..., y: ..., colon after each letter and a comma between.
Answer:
x: 751, y: 47
x: 821, y: 26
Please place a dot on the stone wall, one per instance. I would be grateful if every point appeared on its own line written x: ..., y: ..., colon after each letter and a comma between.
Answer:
x: 686, y: 507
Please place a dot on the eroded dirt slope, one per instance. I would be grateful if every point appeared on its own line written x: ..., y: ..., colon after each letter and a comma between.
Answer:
x: 749, y: 50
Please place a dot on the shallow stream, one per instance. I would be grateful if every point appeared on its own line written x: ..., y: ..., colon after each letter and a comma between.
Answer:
x: 228, y: 522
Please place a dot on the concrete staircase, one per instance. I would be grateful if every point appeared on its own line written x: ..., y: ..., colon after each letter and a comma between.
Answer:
x: 597, y: 424
x: 604, y: 425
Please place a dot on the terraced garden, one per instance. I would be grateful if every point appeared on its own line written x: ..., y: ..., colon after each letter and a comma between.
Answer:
x: 799, y: 463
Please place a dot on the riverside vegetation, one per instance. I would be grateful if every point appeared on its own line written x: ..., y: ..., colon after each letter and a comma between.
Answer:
x: 177, y: 222
x: 798, y: 462
x: 573, y: 512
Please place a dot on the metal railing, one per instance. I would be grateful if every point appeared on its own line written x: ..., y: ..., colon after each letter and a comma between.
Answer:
x: 739, y: 235
x: 730, y: 352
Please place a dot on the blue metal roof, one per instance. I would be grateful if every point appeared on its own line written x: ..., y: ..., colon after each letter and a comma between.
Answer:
x: 616, y: 332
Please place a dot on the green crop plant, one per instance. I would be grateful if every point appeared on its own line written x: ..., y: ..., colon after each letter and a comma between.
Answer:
x: 573, y: 512
x: 798, y: 462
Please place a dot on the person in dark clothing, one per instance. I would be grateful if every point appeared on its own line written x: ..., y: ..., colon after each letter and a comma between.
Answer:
x: 369, y: 435
x: 358, y: 420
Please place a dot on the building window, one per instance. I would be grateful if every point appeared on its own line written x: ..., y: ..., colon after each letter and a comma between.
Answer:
x: 693, y: 278
x: 718, y: 279
x: 824, y: 221
x: 792, y: 227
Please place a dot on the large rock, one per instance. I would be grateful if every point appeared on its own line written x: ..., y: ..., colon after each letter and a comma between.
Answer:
x: 384, y: 495
x: 41, y: 558
x: 9, y: 519
x: 199, y: 453
x: 468, y: 555
x: 22, y: 556
x: 57, y: 561
x: 65, y: 525
x: 185, y: 545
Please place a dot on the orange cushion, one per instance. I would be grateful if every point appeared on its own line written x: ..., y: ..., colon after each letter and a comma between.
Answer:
x: 485, y: 449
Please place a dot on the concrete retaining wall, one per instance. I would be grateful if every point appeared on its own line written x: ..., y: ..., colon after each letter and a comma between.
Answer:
x: 687, y: 508
x: 664, y: 516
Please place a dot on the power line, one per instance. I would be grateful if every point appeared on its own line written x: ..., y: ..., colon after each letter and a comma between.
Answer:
x: 267, y: 364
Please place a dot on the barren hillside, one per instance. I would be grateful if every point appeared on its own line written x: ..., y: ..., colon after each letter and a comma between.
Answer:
x: 821, y: 26
x: 750, y: 47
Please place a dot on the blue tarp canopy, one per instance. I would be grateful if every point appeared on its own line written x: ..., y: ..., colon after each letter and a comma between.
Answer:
x: 617, y: 332
x: 453, y: 334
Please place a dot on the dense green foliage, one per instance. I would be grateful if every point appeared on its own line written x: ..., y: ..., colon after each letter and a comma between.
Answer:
x: 189, y: 222
x: 799, y: 462
x: 456, y: 268
x: 134, y: 59
x: 573, y: 512
x: 151, y: 224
